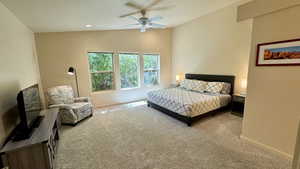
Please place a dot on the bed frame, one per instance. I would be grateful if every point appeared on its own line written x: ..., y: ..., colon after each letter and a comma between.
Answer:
x: 209, y: 78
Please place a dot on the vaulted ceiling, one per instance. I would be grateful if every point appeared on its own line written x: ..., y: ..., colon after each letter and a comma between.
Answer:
x: 73, y: 15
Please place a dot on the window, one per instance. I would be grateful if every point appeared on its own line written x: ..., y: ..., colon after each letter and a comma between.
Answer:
x: 151, y: 69
x: 129, y: 70
x: 102, y: 71
x: 124, y: 71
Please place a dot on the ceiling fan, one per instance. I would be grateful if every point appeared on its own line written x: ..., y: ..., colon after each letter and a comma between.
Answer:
x: 144, y: 21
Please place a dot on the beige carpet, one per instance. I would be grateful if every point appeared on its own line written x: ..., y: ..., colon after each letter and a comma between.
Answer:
x: 143, y: 138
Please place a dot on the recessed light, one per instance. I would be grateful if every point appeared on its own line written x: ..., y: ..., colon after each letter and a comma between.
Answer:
x: 88, y: 26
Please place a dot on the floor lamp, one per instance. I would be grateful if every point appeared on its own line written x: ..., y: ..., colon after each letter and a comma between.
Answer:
x: 72, y: 72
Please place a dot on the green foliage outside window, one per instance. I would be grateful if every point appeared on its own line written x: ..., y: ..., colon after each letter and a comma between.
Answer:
x: 100, y: 62
x: 151, y: 69
x: 101, y: 68
x: 129, y: 70
x: 102, y: 81
x: 151, y: 62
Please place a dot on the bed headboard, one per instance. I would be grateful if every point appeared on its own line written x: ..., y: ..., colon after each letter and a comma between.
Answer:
x: 213, y: 78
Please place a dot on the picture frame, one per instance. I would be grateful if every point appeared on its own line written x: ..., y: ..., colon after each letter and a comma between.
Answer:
x: 280, y: 53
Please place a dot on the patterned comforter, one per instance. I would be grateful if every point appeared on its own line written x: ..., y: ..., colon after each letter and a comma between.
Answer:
x: 188, y: 103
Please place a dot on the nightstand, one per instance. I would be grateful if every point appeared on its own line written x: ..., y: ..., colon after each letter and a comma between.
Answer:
x: 238, y: 105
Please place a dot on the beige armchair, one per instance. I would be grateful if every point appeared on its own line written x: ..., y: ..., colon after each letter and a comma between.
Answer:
x: 72, y: 110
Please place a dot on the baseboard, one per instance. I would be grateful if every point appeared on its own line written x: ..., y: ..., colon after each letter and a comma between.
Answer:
x: 269, y: 148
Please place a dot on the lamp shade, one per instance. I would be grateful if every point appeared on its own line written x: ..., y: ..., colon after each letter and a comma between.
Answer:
x: 71, y: 71
x: 244, y: 83
x: 177, y: 78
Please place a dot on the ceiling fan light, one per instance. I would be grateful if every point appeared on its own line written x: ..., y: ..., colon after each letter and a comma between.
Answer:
x: 143, y: 29
x: 88, y: 26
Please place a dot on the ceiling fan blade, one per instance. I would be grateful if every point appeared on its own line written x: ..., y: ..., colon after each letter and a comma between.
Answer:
x: 155, y: 25
x: 155, y: 2
x: 161, y: 8
x: 134, y: 18
x: 129, y: 14
x: 156, y: 18
x: 134, y: 5
x: 135, y: 24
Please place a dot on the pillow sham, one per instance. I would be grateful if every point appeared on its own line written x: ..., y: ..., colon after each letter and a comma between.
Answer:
x: 184, y: 84
x: 199, y: 86
x: 195, y: 85
x: 214, y: 87
x: 226, y: 88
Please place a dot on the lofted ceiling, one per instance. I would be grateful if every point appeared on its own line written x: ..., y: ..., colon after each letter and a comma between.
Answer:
x: 73, y: 15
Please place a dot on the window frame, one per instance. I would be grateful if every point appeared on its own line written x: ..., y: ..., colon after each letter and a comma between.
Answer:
x: 138, y: 70
x: 116, y: 74
x: 113, y: 71
x: 149, y: 70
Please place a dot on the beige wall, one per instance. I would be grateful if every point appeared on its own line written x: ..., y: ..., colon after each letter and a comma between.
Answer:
x: 58, y: 51
x: 18, y: 66
x: 213, y: 44
x: 272, y: 108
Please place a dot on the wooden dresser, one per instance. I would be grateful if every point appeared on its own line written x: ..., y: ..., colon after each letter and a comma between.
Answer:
x: 39, y: 151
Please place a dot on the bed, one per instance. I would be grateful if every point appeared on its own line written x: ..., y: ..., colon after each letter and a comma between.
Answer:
x: 189, y: 106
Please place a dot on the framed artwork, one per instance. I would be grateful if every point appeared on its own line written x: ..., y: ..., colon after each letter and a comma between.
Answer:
x: 281, y: 53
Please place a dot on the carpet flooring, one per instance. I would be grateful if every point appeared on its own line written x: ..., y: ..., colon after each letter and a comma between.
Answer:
x: 143, y: 138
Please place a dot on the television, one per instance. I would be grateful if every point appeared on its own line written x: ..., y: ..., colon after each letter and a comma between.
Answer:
x: 30, y: 106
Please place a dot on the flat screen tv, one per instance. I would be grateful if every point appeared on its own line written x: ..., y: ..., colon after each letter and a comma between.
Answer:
x: 30, y: 106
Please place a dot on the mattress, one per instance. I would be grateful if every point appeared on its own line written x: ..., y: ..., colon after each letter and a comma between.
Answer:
x: 188, y: 103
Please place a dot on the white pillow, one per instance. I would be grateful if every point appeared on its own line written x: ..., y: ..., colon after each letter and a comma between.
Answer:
x: 195, y: 85
x: 214, y: 87
x: 187, y: 84
x: 184, y: 84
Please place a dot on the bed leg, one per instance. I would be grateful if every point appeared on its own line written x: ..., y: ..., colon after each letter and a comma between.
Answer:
x: 189, y: 122
x: 213, y: 113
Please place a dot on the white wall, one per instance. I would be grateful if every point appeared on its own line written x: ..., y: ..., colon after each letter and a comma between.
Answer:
x: 18, y: 66
x: 213, y: 44
x: 256, y: 8
x: 272, y: 109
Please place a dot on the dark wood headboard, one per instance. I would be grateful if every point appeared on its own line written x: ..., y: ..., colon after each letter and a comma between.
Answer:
x: 213, y: 78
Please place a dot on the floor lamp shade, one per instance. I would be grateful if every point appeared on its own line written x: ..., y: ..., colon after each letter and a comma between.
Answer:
x: 72, y: 71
